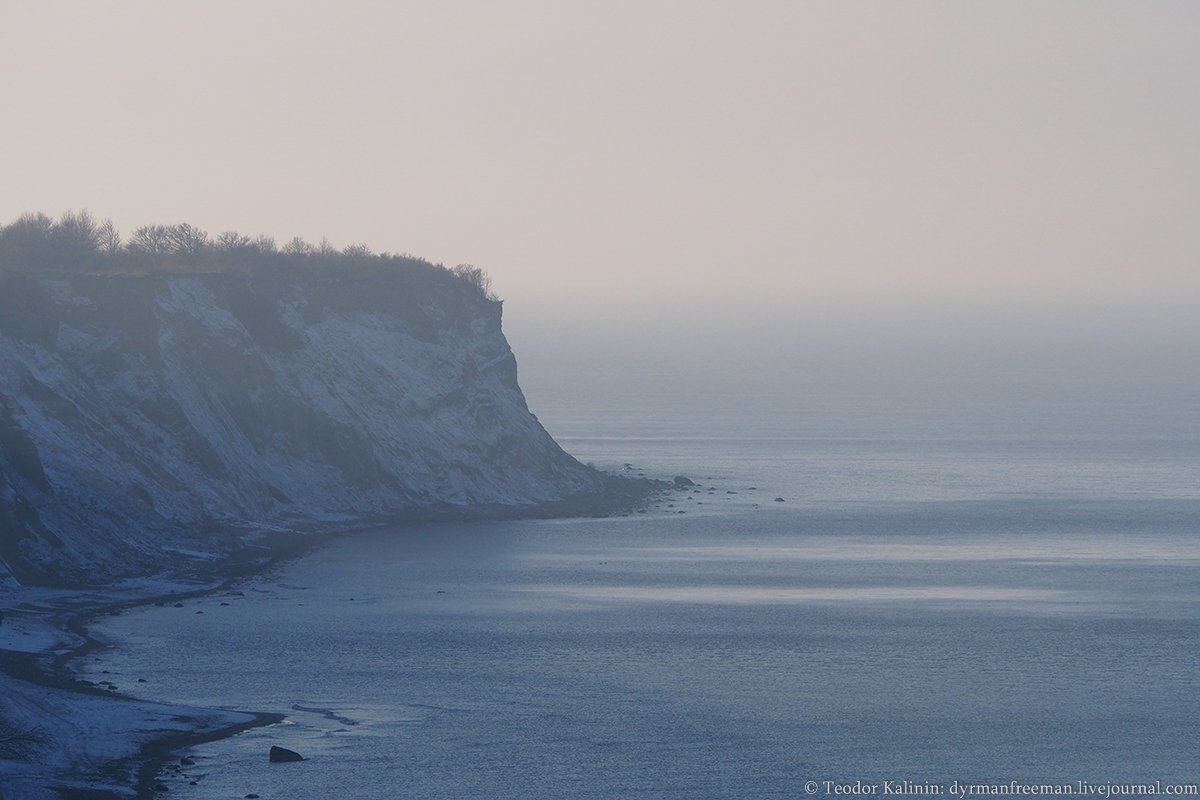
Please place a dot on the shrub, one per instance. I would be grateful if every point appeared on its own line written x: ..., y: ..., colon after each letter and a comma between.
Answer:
x: 76, y: 242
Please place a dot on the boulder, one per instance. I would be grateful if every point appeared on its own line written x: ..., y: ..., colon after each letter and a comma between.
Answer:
x: 282, y: 754
x: 682, y: 481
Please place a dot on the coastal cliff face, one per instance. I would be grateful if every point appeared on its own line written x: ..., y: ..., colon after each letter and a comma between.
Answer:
x: 148, y: 420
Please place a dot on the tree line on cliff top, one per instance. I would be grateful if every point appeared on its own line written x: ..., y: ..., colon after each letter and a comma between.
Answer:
x: 77, y: 242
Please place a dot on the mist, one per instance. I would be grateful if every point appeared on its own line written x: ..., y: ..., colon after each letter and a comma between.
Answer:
x: 579, y: 399
x: 685, y: 199
x: 971, y: 369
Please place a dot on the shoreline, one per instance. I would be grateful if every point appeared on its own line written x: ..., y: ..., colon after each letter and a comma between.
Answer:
x: 53, y: 670
x: 74, y: 610
x: 153, y: 756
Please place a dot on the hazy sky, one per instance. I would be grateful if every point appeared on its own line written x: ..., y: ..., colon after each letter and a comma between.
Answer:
x: 609, y: 161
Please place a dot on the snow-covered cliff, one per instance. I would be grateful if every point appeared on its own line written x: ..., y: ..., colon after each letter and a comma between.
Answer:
x: 151, y: 418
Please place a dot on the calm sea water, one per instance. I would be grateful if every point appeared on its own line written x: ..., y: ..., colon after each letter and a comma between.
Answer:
x: 933, y: 601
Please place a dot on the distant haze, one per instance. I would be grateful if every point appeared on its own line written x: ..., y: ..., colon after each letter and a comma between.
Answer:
x: 795, y: 190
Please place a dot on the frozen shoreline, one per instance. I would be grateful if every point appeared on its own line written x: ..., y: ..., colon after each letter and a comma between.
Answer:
x: 85, y: 736
x: 95, y: 740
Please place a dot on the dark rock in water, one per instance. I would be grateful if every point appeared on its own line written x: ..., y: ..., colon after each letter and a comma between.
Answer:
x: 251, y: 796
x: 682, y: 481
x: 778, y: 499
x: 282, y: 754
x: 224, y: 604
x: 187, y: 762
x: 141, y: 680
x: 179, y: 605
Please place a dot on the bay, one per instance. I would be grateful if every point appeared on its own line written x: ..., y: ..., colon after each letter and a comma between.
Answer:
x: 983, y: 606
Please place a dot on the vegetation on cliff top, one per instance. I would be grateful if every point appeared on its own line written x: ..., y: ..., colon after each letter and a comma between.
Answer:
x: 77, y: 242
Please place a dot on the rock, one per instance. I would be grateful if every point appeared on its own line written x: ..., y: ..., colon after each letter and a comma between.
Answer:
x: 187, y: 762
x: 778, y: 499
x: 199, y: 612
x: 682, y: 481
x: 282, y: 754
x: 161, y: 787
x: 141, y: 680
x: 179, y: 605
x: 251, y: 796
x: 224, y: 604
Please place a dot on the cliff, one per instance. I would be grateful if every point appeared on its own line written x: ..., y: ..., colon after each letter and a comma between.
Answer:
x: 148, y: 421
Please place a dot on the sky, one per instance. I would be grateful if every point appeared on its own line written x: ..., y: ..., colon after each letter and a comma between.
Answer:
x: 664, y: 185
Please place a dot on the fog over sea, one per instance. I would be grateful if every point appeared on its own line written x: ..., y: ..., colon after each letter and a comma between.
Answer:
x: 964, y: 590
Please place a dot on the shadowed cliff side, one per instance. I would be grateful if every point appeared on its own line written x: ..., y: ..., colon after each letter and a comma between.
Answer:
x: 151, y: 420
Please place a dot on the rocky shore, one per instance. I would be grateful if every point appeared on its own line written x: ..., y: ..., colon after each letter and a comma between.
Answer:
x: 65, y: 737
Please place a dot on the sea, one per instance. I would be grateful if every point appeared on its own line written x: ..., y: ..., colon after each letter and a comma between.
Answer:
x: 963, y: 593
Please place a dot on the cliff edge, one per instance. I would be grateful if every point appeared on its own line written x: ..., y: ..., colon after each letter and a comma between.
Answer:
x: 152, y: 420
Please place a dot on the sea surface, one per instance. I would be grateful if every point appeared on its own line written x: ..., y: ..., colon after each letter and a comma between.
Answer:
x: 939, y: 596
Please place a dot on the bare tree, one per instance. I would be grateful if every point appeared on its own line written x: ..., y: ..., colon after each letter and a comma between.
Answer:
x: 297, y: 247
x: 151, y: 240
x: 26, y: 242
x: 77, y: 233
x: 187, y: 241
x: 109, y: 238
x: 477, y: 277
x: 233, y: 242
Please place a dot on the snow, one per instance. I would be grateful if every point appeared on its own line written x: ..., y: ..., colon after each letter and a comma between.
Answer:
x: 79, y: 737
x: 166, y: 435
x: 159, y: 427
